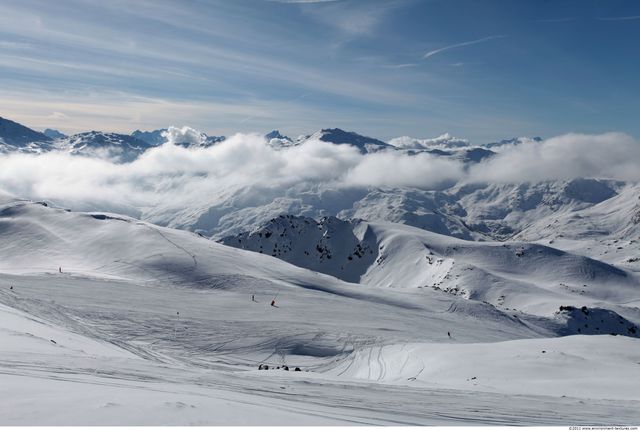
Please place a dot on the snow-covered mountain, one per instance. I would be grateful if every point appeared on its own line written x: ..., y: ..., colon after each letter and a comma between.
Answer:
x: 534, y: 211
x: 154, y: 137
x: 20, y: 138
x: 115, y: 147
x: 608, y: 230
x: 466, y: 211
x: 330, y: 245
x: 364, y: 144
x: 277, y: 140
x: 511, y: 142
x: 373, y: 291
x: 503, y: 210
x: 505, y: 275
x: 207, y: 141
x: 185, y: 137
x: 444, y: 141
x: 445, y: 146
x: 15, y: 137
x: 112, y: 146
x: 275, y: 134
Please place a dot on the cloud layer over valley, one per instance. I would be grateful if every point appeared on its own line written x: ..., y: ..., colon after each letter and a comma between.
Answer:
x: 245, y: 161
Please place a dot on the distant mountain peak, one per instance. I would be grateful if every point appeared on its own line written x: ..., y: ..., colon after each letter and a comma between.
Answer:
x: 338, y: 136
x: 183, y: 136
x: 512, y: 141
x: 154, y: 137
x: 444, y: 141
x: 17, y: 135
x: 115, y: 146
x: 277, y: 140
x: 54, y: 134
x: 275, y: 134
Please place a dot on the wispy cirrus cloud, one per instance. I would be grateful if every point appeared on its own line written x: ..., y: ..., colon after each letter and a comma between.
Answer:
x: 363, y: 61
x: 462, y: 44
x: 303, y: 1
x: 352, y: 18
x: 399, y: 66
x: 5, y: 44
x: 620, y: 18
x: 565, y: 19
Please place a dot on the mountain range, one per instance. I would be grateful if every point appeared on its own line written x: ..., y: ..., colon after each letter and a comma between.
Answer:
x: 466, y: 210
x: 175, y: 283
x: 125, y: 148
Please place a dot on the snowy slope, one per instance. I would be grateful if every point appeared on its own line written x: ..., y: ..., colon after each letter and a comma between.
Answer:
x: 467, y: 211
x: 503, y: 210
x: 50, y: 368
x: 156, y: 326
x: 609, y: 230
x: 576, y: 366
x: 521, y: 276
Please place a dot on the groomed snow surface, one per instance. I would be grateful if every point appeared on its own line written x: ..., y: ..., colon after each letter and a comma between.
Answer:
x: 107, y: 320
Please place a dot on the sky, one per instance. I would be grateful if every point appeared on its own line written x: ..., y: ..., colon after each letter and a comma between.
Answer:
x: 482, y: 70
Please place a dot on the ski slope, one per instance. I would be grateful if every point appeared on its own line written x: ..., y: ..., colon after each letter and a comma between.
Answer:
x: 575, y: 366
x: 131, y: 323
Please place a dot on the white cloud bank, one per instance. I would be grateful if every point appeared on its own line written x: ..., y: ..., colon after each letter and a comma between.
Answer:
x: 442, y: 141
x: 609, y: 155
x: 246, y: 162
x: 184, y: 135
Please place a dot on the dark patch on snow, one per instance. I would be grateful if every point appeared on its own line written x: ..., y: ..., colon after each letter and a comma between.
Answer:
x: 107, y: 217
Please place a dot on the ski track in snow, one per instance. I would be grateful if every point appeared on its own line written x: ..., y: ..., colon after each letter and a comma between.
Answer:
x: 193, y: 256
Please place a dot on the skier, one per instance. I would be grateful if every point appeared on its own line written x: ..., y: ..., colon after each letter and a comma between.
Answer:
x: 449, y: 334
x: 273, y: 301
x: 253, y: 298
x: 60, y: 269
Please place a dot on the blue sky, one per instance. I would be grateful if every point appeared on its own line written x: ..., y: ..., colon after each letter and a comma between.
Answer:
x: 482, y: 70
